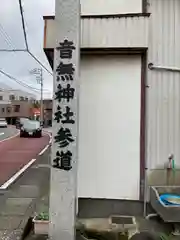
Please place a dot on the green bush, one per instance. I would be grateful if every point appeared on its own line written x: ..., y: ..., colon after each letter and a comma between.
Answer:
x: 164, y: 236
x: 43, y: 216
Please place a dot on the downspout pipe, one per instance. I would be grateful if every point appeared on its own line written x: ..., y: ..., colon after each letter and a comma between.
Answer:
x: 151, y: 66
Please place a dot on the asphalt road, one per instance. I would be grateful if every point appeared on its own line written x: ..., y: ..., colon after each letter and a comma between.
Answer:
x: 7, y: 132
x: 16, y: 152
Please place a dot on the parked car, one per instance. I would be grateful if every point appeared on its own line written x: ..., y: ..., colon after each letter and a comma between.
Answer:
x: 3, y: 123
x: 20, y: 122
x: 31, y: 128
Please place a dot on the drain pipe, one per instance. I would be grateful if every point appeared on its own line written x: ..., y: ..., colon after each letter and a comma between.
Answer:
x: 145, y: 192
x: 165, y: 68
x: 151, y: 215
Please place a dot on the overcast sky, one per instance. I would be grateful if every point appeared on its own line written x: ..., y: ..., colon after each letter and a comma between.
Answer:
x: 11, y: 36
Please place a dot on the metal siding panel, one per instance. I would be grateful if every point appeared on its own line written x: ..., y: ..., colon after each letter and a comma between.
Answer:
x: 109, y: 32
x: 110, y: 6
x: 163, y: 96
x: 50, y: 33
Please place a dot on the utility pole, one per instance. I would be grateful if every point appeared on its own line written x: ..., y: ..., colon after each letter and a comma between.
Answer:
x: 41, y: 103
x: 39, y: 77
x: 64, y: 154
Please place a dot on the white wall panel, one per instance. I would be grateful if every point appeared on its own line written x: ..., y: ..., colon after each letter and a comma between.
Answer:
x: 109, y: 134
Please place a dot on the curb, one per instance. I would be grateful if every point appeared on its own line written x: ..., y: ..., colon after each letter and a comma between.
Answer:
x: 27, y: 228
x: 48, y: 145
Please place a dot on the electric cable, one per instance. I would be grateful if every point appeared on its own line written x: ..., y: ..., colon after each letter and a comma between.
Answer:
x: 19, y: 82
x: 42, y: 65
x: 23, y: 25
x: 26, y: 42
x: 5, y: 36
x: 8, y: 41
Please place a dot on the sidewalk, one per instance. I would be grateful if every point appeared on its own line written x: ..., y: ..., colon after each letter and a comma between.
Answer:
x: 49, y: 129
x: 20, y: 201
x: 30, y: 194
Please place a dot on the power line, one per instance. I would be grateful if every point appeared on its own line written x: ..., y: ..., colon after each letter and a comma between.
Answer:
x: 8, y: 40
x: 23, y: 25
x: 42, y: 65
x: 25, y: 38
x: 5, y: 35
x: 26, y: 42
x: 32, y: 55
x: 13, y: 50
x: 19, y: 82
x: 21, y: 50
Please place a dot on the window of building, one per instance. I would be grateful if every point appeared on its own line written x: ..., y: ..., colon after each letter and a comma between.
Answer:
x: 3, y: 110
x: 1, y: 98
x: 11, y: 97
x: 21, y: 98
x: 16, y: 108
x: 8, y: 109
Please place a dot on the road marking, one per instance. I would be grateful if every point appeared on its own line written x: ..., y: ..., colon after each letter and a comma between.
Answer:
x: 50, y: 140
x: 6, y: 139
x: 18, y: 174
x: 47, y: 146
x: 22, y: 170
x: 1, y: 134
x: 44, y: 149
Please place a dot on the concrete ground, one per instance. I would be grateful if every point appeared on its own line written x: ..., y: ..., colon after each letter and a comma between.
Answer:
x: 30, y: 195
x: 103, y: 226
x: 20, y: 201
x: 49, y: 129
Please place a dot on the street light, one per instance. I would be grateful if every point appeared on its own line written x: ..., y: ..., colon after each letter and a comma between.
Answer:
x: 39, y: 77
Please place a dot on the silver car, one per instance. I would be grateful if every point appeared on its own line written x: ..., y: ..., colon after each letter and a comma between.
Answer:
x: 3, y: 123
x: 31, y: 128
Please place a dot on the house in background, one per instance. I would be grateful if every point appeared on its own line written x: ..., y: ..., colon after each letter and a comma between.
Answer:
x: 9, y: 94
x: 15, y: 103
x: 47, y: 106
x: 47, y: 111
x: 129, y: 115
x: 35, y: 113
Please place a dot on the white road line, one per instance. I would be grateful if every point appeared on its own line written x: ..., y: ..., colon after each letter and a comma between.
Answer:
x: 1, y: 134
x: 9, y: 137
x: 13, y: 178
x: 50, y: 140
x: 46, y: 147
x: 22, y: 170
x: 47, y: 133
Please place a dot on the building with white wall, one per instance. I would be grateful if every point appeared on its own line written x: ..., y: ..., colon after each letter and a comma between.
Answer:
x: 7, y: 94
x: 15, y: 103
x: 18, y: 95
x: 128, y: 114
